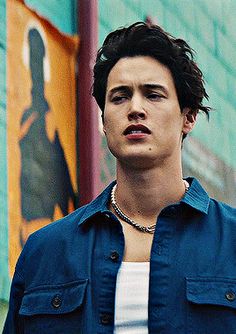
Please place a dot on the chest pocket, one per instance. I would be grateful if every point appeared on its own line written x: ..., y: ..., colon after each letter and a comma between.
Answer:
x: 211, y: 305
x: 54, y: 309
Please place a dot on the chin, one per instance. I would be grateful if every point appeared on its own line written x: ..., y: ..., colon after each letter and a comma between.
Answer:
x: 137, y: 161
x: 142, y: 159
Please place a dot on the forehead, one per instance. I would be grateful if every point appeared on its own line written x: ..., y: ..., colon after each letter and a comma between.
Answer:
x: 139, y: 70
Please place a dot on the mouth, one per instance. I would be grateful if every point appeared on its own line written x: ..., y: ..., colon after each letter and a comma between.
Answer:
x: 136, y: 129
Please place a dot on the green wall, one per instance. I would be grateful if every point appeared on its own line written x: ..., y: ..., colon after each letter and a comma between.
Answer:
x: 3, y: 312
x: 62, y: 14
x: 4, y: 278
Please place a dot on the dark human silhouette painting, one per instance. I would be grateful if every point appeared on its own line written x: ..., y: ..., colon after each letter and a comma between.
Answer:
x: 45, y: 180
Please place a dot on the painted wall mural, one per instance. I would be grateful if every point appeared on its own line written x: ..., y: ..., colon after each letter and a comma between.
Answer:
x: 41, y: 120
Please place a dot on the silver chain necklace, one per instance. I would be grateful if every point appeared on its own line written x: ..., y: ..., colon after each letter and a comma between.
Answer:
x: 146, y: 229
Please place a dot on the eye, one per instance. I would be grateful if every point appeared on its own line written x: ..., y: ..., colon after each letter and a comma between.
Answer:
x: 117, y: 99
x: 155, y: 96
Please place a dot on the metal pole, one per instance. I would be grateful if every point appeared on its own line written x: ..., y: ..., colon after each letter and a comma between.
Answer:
x: 89, y: 138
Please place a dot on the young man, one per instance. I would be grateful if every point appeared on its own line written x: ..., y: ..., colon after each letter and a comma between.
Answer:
x: 153, y: 253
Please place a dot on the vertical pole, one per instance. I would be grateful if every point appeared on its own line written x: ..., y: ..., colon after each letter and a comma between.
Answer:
x: 89, y: 138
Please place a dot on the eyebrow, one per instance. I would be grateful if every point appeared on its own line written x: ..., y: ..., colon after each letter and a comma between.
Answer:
x: 119, y: 89
x: 124, y: 88
x: 156, y: 86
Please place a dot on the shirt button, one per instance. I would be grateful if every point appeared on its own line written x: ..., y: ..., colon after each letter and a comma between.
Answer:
x: 230, y: 296
x: 56, y: 301
x: 114, y: 256
x: 173, y: 210
x: 107, y: 217
x: 106, y: 319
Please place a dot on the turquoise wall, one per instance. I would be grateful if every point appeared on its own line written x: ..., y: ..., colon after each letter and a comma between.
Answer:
x: 4, y: 278
x: 209, y: 28
x: 62, y: 14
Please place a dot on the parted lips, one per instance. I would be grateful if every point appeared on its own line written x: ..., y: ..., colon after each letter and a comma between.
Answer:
x: 136, y: 128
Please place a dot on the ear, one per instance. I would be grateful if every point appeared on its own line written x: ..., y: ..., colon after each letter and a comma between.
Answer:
x: 104, y: 130
x: 189, y: 120
x: 103, y: 123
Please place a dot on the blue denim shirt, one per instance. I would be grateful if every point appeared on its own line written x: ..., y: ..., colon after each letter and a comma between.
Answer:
x: 65, y: 278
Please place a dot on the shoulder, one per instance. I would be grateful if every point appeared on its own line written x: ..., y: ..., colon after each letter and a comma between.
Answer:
x: 53, y: 236
x: 59, y: 227
x: 64, y: 237
x: 222, y: 210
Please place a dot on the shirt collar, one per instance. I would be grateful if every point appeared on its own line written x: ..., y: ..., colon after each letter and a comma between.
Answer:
x: 98, y: 205
x: 196, y: 197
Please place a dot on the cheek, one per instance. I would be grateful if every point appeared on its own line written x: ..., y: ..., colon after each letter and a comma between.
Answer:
x: 109, y: 133
x: 110, y: 123
x: 107, y: 119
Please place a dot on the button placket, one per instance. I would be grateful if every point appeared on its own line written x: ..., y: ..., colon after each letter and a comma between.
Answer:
x: 106, y: 319
x: 114, y: 256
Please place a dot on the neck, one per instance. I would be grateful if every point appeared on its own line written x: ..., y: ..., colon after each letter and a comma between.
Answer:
x: 143, y: 193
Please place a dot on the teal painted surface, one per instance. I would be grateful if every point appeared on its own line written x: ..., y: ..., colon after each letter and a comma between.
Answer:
x: 61, y: 13
x: 3, y: 312
x: 118, y: 13
x: 208, y: 26
x: 4, y: 276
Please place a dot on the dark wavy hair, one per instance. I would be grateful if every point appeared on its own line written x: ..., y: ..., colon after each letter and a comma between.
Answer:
x: 142, y: 39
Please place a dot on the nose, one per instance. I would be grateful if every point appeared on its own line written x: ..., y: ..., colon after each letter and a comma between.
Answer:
x: 136, y: 110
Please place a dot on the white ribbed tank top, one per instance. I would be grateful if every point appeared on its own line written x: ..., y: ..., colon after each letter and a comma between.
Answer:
x: 131, y: 301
